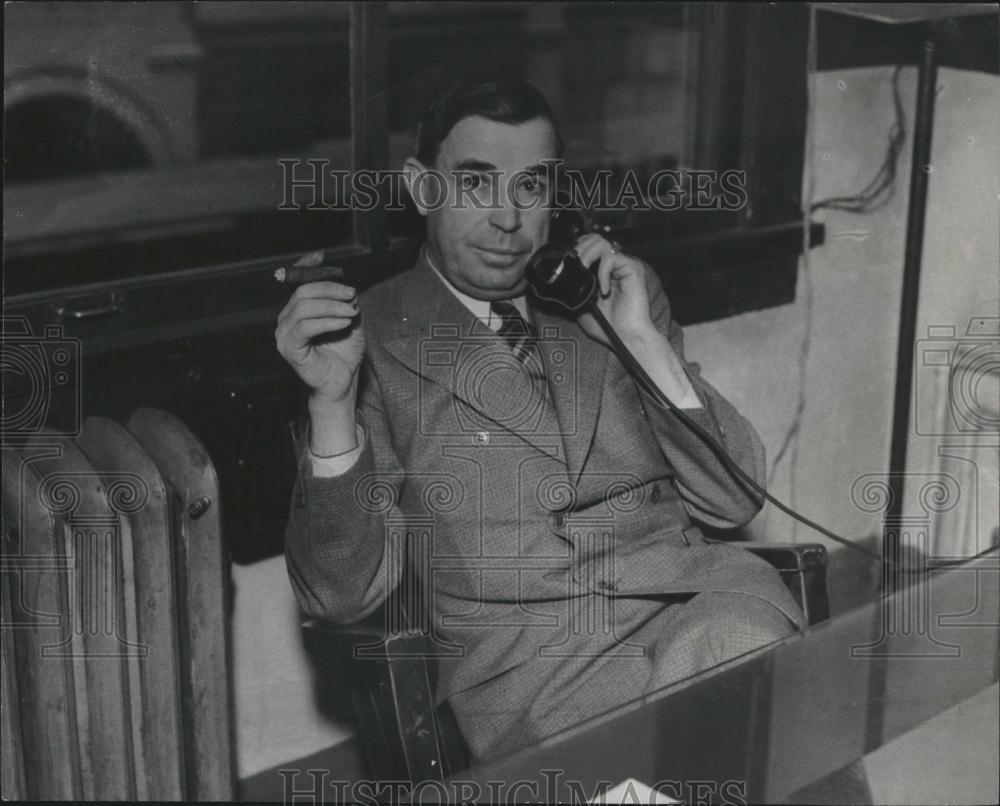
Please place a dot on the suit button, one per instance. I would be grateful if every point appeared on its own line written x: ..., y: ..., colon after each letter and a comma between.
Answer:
x: 654, y: 494
x: 481, y: 438
x: 557, y: 519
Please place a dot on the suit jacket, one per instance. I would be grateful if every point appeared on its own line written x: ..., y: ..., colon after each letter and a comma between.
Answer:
x: 521, y: 496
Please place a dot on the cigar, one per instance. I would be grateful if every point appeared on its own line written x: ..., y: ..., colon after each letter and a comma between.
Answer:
x: 299, y: 275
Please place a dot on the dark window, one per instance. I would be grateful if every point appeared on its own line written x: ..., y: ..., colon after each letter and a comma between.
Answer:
x: 172, y: 188
x: 61, y: 136
x: 129, y: 155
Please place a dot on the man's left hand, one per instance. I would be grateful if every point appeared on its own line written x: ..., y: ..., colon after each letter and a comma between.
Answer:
x: 623, y: 298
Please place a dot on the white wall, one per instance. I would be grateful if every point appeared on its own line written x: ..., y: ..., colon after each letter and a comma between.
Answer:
x: 278, y: 716
x: 855, y: 277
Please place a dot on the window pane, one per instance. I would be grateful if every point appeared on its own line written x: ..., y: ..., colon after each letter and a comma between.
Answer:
x: 144, y: 137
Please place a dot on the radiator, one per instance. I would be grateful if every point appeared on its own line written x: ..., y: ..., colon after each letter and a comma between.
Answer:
x: 115, y: 600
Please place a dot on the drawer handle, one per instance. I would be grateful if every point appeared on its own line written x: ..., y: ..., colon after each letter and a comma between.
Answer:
x: 115, y: 304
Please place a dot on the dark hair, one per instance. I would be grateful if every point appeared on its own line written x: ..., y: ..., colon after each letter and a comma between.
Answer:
x: 502, y: 100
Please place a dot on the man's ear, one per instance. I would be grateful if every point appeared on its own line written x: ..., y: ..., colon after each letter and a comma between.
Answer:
x: 413, y: 169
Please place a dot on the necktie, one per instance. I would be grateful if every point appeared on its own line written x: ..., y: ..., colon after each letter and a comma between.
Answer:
x: 518, y: 334
x: 523, y: 342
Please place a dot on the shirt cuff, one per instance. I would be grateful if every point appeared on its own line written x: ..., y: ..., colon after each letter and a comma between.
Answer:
x: 692, y: 401
x: 326, y: 467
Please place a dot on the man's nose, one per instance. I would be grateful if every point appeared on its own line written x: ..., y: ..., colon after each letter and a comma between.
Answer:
x: 506, y: 215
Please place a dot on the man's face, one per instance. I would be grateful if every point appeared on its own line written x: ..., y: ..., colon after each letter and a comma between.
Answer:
x: 482, y: 248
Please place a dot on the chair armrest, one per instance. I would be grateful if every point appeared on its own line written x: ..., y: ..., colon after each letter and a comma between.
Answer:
x: 406, y: 737
x: 791, y: 556
x: 803, y: 569
x: 366, y: 640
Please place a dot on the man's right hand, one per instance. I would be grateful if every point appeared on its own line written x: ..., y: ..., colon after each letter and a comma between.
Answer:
x: 319, y: 335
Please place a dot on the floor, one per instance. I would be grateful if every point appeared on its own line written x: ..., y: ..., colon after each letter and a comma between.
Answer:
x: 952, y: 758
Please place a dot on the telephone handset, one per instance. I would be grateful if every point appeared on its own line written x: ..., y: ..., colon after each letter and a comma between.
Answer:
x: 555, y: 272
x: 567, y: 225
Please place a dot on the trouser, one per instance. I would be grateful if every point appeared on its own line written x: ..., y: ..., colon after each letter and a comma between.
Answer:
x: 665, y: 644
x: 548, y: 694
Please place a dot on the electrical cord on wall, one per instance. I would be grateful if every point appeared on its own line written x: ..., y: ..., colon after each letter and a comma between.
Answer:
x: 791, y: 439
x: 879, y: 191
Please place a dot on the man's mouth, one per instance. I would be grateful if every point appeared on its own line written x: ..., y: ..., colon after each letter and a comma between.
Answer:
x: 501, y: 258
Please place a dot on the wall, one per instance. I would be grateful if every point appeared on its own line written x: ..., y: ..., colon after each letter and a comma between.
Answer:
x: 847, y: 381
x: 855, y: 277
x: 278, y: 696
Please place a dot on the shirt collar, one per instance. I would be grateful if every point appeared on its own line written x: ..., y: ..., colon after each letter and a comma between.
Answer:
x: 479, y: 308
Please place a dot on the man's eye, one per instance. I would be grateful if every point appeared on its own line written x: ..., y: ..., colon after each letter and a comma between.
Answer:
x: 470, y: 181
x: 530, y: 184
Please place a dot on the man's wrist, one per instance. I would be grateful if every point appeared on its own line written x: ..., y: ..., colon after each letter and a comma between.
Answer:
x: 324, y: 401
x: 333, y: 426
x: 646, y: 342
x: 340, y: 454
x: 325, y: 467
x: 655, y: 354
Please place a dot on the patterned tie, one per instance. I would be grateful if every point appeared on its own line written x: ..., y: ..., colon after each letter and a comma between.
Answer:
x: 517, y: 332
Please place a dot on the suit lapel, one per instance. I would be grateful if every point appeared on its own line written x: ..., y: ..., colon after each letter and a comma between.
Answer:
x: 570, y: 354
x: 442, y: 342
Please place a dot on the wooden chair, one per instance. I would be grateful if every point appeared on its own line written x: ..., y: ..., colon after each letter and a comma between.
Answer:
x: 392, y: 681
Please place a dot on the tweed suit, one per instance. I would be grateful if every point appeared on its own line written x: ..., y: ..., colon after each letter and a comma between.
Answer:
x: 548, y: 513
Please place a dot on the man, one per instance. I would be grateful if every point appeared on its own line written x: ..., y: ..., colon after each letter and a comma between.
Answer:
x: 547, y: 498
